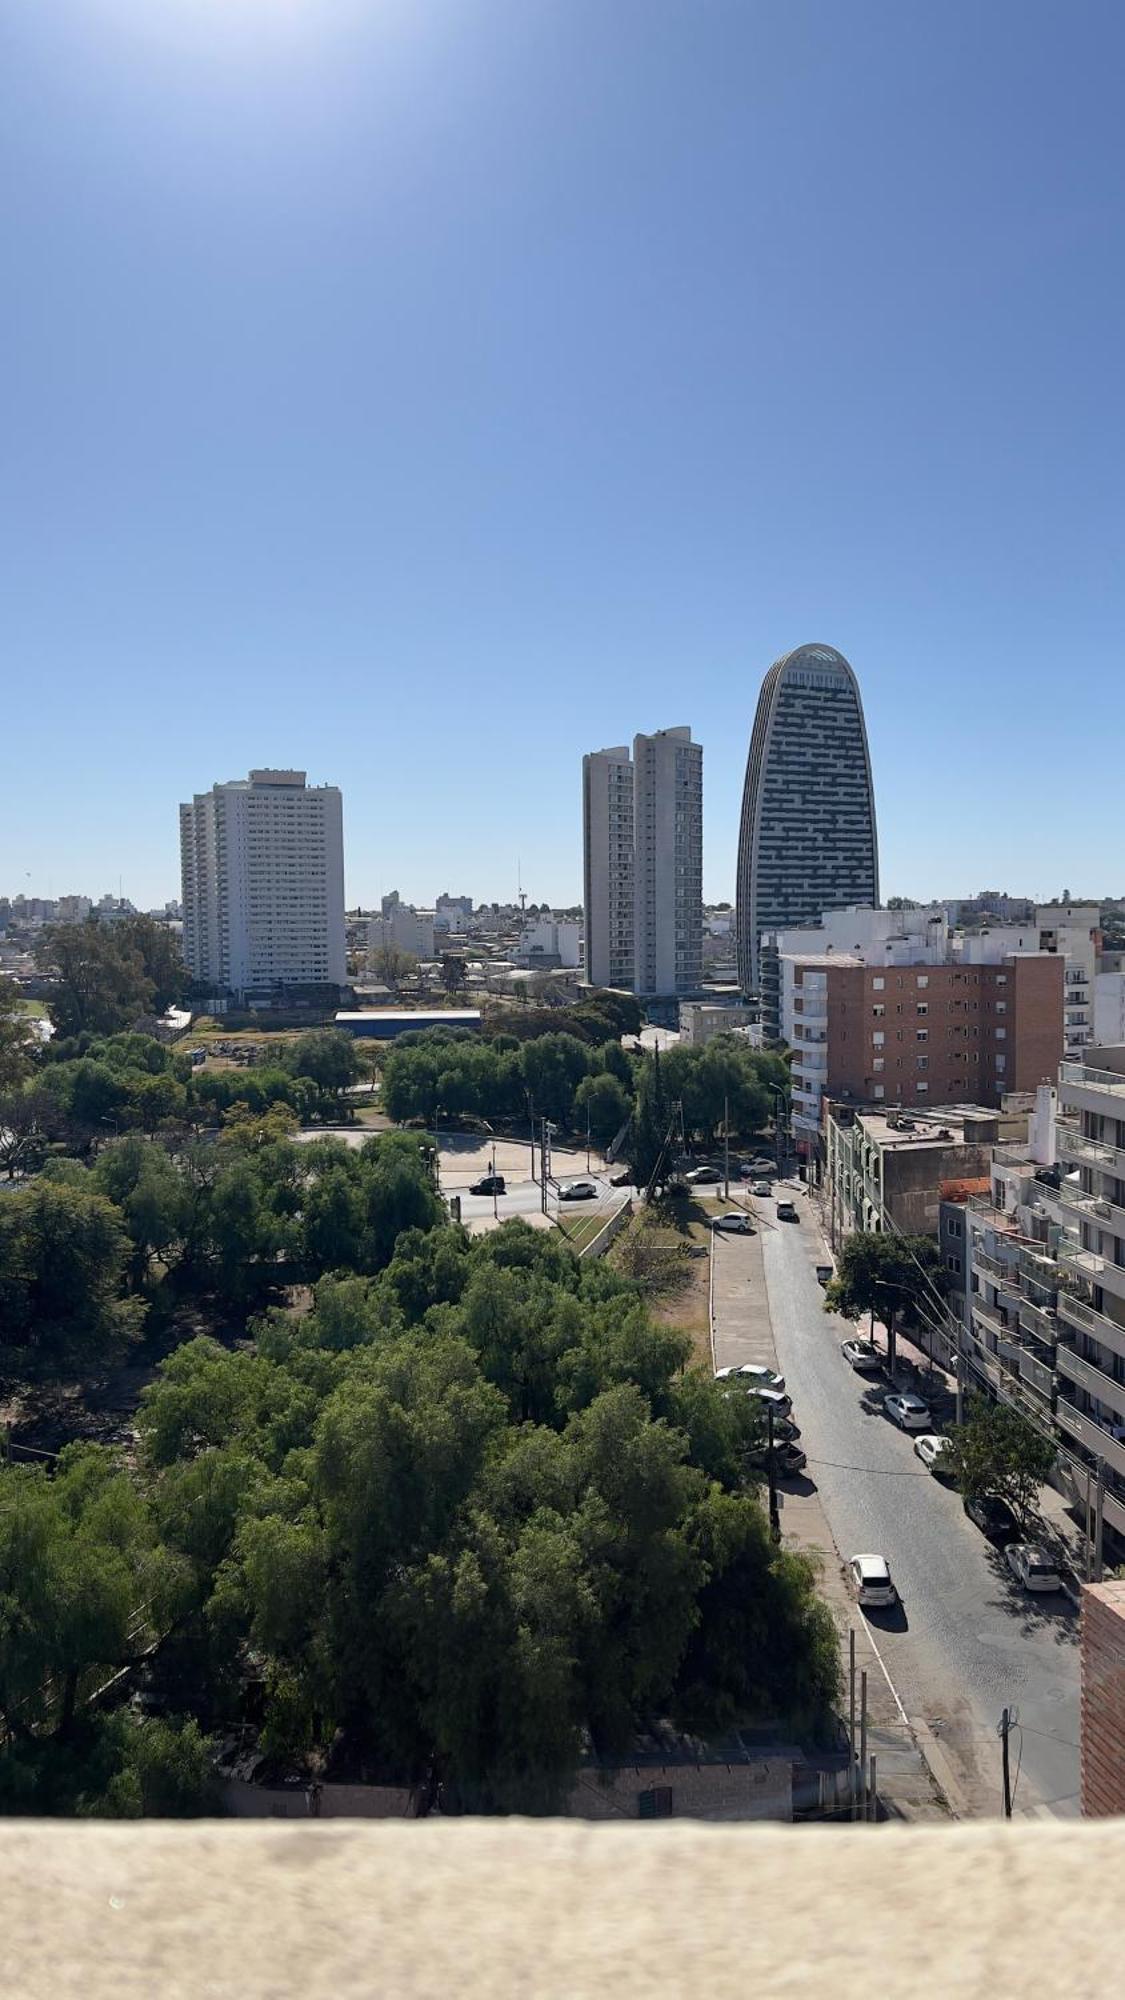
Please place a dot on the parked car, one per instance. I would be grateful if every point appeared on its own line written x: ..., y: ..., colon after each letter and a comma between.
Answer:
x: 776, y: 1400
x: 761, y: 1189
x: 674, y: 1189
x: 751, y: 1372
x: 787, y: 1457
x: 703, y: 1176
x: 736, y: 1224
x: 1032, y: 1566
x: 785, y: 1430
x: 579, y: 1191
x: 909, y: 1412
x: 863, y: 1355
x: 992, y: 1516
x: 873, y: 1583
x: 932, y: 1448
x: 786, y: 1212
x: 489, y: 1184
x: 623, y: 1179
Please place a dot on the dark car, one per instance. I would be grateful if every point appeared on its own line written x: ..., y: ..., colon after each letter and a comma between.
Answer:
x: 993, y: 1517
x: 787, y: 1456
x: 622, y: 1180
x: 489, y: 1184
x: 786, y: 1212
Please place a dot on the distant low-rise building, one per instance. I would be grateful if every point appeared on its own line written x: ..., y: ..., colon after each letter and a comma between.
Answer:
x: 700, y: 1020
x: 549, y: 942
x: 887, y: 1170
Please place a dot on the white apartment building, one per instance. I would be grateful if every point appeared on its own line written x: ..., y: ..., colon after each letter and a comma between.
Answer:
x: 262, y: 860
x: 405, y: 928
x: 667, y: 862
x: 1109, y: 1003
x: 553, y: 941
x: 1074, y: 930
x: 607, y: 845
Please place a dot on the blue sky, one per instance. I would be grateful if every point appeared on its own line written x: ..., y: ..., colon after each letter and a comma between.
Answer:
x: 426, y: 391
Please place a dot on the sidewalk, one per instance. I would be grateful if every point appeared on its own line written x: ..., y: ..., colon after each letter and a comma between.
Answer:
x: 742, y: 1331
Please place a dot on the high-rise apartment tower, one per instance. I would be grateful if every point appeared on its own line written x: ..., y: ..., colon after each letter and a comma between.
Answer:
x: 263, y: 884
x: 607, y: 842
x: 667, y: 862
x: 807, y: 841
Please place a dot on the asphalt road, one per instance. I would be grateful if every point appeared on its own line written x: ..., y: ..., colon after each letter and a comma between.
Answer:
x: 968, y: 1640
x: 523, y: 1197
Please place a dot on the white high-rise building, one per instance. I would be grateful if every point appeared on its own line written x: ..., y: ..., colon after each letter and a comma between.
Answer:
x: 667, y: 862
x: 607, y: 834
x: 263, y: 884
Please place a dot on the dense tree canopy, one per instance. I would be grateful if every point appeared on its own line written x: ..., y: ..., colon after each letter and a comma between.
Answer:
x: 900, y: 1279
x: 108, y: 976
x: 997, y: 1451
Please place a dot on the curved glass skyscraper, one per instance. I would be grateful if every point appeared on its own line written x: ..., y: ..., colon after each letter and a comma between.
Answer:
x: 807, y: 841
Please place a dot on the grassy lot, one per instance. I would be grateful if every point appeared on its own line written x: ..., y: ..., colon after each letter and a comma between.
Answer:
x: 38, y: 1008
x: 582, y: 1229
x: 667, y: 1249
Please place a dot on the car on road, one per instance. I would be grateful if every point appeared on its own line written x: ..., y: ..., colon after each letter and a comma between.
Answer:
x: 1033, y: 1566
x: 786, y: 1212
x: 873, y: 1583
x: 622, y: 1180
x: 579, y: 1191
x: 908, y: 1411
x: 932, y: 1447
x: 703, y: 1176
x: 751, y: 1372
x: 489, y: 1184
x: 761, y: 1189
x: 992, y: 1516
x: 863, y: 1355
x: 736, y: 1224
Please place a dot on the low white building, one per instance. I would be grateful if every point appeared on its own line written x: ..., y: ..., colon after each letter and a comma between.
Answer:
x: 700, y: 1020
x: 404, y: 928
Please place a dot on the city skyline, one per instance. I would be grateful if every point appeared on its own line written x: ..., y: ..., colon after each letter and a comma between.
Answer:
x: 485, y: 380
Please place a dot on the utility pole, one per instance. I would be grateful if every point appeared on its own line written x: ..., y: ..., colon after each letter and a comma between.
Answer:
x: 852, y: 1787
x: 726, y: 1147
x: 775, y: 1517
x: 1005, y: 1732
x: 531, y: 1129
x: 863, y: 1740
x: 587, y: 1138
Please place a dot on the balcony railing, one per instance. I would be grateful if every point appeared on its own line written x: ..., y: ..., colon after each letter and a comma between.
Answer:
x: 1080, y: 1076
x: 1076, y: 1313
x: 1041, y: 1325
x: 987, y: 1316
x: 1076, y: 1146
x: 1037, y: 1375
x: 993, y: 1267
x: 1097, y: 1441
x: 1094, y: 1380
x: 1093, y: 1209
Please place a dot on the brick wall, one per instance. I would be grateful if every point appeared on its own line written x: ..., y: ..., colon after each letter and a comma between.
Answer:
x: 1103, y: 1699
x: 762, y: 1789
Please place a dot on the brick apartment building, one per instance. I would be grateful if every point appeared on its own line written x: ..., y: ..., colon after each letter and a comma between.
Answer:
x: 910, y: 1019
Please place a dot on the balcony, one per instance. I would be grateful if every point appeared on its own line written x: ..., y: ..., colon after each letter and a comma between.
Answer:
x: 1092, y: 1209
x: 1000, y: 1329
x: 1090, y: 1435
x: 1039, y: 1324
x: 1037, y: 1376
x: 1000, y: 1273
x: 1084, y: 1089
x: 1081, y: 1263
x: 1074, y: 1145
x: 1094, y: 1380
x: 1076, y: 1313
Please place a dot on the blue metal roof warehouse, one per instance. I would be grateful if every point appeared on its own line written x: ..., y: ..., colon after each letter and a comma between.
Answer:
x: 385, y: 1024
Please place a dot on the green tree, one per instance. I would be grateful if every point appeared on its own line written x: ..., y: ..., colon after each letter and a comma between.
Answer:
x: 605, y: 1103
x: 900, y: 1278
x: 330, y: 1060
x: 141, y: 1180
x: 997, y: 1451
x: 159, y: 951
x: 63, y: 1255
x: 17, y: 1038
x: 29, y: 1119
x: 392, y: 965
x: 452, y: 973
x: 101, y: 983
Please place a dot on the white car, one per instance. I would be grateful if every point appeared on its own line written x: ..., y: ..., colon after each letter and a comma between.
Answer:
x: 909, y: 1412
x: 863, y: 1355
x: 776, y: 1400
x: 735, y: 1224
x: 761, y: 1189
x: 1032, y: 1566
x: 872, y: 1582
x: 931, y: 1448
x: 753, y: 1375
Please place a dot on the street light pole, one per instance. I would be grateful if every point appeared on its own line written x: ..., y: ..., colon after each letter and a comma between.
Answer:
x: 726, y: 1147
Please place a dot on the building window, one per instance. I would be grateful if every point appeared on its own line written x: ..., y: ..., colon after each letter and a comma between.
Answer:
x: 921, y: 1034
x: 877, y: 1063
x: 877, y: 985
x: 1001, y: 1006
x: 878, y: 1091
x: 878, y: 1012
x: 953, y: 1263
x: 923, y: 1062
x: 1001, y: 979
x: 878, y: 1038
x: 955, y: 1227
x: 1001, y: 1034
x: 923, y: 1006
x: 1001, y: 1063
x: 655, y: 1804
x: 923, y: 979
x: 922, y: 1085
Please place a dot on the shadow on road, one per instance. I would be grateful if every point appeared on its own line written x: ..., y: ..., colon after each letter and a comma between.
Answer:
x: 797, y: 1483
x: 892, y: 1620
x: 1049, y: 1612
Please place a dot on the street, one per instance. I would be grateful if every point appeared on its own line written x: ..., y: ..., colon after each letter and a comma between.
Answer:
x: 967, y: 1640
